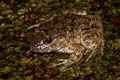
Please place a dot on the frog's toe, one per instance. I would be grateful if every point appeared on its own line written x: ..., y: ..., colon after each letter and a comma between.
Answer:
x: 63, y: 68
x: 33, y: 26
x: 61, y: 62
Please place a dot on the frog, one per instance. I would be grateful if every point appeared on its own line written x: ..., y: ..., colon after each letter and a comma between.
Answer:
x: 71, y: 32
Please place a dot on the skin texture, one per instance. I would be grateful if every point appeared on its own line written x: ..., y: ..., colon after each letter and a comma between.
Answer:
x: 70, y: 32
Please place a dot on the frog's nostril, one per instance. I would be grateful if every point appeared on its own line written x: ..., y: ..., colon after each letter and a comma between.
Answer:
x: 30, y: 48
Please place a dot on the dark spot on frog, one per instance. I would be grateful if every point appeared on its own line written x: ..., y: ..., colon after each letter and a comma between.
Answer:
x: 95, y: 26
x: 48, y: 40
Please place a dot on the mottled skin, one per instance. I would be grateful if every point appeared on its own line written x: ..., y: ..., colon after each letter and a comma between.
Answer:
x: 72, y: 33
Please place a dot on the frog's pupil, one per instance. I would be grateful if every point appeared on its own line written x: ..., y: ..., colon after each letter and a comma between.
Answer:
x: 49, y: 40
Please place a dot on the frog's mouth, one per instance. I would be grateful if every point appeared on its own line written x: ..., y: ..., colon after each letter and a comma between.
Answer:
x: 42, y: 47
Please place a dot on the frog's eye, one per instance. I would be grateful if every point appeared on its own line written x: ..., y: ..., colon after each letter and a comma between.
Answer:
x: 48, y: 40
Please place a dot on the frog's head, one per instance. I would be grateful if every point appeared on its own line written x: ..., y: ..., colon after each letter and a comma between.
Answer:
x: 43, y: 42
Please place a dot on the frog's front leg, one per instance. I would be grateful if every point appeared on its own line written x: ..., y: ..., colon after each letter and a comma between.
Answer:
x: 73, y: 59
x: 76, y: 56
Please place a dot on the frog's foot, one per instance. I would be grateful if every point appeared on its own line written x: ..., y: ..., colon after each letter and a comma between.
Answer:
x: 61, y: 62
x: 67, y: 62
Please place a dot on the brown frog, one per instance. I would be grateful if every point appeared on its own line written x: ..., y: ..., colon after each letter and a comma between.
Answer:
x: 71, y: 32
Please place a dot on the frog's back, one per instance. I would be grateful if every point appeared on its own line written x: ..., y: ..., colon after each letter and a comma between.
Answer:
x: 84, y: 29
x: 87, y: 28
x: 76, y: 27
